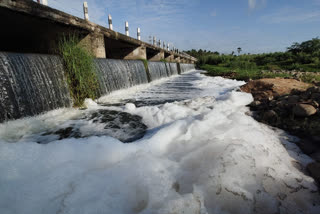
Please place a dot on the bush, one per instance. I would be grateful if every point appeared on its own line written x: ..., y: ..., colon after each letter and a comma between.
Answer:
x: 80, y: 70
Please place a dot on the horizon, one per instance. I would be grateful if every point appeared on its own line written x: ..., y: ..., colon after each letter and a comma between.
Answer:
x: 257, y: 26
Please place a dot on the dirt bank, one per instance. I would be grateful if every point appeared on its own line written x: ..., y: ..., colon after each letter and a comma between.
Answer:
x: 292, y: 106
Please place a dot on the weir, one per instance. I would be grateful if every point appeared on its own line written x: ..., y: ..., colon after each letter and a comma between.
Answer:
x: 31, y: 84
x: 118, y: 74
x: 34, y: 83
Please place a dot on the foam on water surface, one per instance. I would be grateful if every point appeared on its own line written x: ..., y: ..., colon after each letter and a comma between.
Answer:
x: 201, y: 154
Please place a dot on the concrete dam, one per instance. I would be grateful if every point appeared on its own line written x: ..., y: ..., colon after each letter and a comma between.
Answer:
x: 32, y: 75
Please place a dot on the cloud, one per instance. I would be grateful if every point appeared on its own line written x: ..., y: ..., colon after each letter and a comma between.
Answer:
x: 213, y: 13
x: 252, y: 4
x: 291, y: 15
x: 256, y: 4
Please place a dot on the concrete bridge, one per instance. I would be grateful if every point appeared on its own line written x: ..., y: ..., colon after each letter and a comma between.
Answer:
x: 29, y: 27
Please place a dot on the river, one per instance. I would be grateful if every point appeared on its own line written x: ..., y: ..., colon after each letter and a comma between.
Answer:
x: 191, y: 147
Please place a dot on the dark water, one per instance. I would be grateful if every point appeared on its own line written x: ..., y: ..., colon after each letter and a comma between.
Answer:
x: 31, y: 84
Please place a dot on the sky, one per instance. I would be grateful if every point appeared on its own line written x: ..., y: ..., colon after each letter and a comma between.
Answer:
x: 257, y: 26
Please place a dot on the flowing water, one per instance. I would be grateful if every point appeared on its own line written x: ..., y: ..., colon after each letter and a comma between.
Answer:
x: 31, y: 84
x: 157, y: 70
x: 119, y: 74
x: 194, y: 150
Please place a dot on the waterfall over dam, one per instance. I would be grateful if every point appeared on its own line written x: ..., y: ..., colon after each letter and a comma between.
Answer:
x: 118, y: 74
x: 31, y: 84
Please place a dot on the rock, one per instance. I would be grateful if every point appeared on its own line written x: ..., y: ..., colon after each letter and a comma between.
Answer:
x: 308, y: 146
x: 255, y: 105
x: 305, y: 95
x: 316, y: 156
x: 313, y: 90
x: 120, y: 125
x: 270, y: 117
x: 304, y: 110
x: 315, y: 96
x: 293, y: 99
x: 315, y: 104
x: 314, y: 170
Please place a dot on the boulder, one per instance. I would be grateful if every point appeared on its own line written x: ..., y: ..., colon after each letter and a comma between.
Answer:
x: 316, y: 156
x: 314, y: 170
x: 308, y: 146
x: 304, y: 110
x: 270, y: 117
x: 293, y: 99
x: 315, y: 96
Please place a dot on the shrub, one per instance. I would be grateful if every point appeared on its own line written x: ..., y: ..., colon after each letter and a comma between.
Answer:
x: 80, y: 70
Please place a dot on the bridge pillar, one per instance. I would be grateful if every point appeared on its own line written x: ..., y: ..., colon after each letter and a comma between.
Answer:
x: 138, y: 53
x: 157, y: 57
x: 94, y: 43
x: 170, y: 58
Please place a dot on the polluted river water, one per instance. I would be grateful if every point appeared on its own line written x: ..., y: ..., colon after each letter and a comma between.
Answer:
x: 184, y: 144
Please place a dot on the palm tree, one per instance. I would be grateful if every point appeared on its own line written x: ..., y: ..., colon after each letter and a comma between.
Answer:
x: 239, y: 50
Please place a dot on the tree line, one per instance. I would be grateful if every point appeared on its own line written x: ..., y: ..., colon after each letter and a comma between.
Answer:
x: 304, y: 56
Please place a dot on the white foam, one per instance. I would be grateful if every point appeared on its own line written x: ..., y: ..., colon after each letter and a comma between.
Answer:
x: 203, y: 155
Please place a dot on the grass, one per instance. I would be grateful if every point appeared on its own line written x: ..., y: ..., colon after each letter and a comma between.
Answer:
x: 80, y: 70
x: 310, y: 78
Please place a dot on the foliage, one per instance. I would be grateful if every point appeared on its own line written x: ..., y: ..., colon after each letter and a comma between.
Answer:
x: 200, y: 53
x: 80, y: 70
x: 303, y: 56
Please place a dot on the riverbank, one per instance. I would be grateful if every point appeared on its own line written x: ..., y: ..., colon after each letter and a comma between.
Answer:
x: 288, y: 100
x: 293, y: 106
x: 257, y: 73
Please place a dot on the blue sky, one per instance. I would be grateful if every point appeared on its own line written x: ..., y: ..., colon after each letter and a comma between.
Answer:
x: 219, y: 25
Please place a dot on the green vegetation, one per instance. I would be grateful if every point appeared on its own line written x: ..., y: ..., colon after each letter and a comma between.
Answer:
x: 80, y: 70
x: 240, y: 73
x: 302, y: 57
x: 145, y: 62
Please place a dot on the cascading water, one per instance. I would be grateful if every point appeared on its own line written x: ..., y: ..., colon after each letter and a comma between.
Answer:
x: 157, y: 70
x: 186, y: 67
x: 172, y: 68
x: 118, y: 74
x: 31, y: 84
